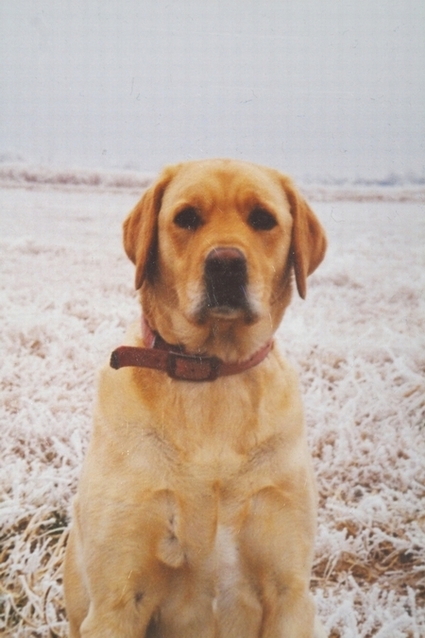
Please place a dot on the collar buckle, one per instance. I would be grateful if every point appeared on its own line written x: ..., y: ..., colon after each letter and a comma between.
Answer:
x: 186, y: 367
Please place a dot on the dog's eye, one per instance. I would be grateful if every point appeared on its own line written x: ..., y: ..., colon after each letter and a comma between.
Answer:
x: 261, y: 219
x: 188, y: 218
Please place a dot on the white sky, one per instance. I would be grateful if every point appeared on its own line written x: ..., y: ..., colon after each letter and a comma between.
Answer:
x: 315, y: 87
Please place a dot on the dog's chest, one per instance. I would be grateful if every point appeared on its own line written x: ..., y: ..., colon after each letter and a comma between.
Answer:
x: 226, y: 558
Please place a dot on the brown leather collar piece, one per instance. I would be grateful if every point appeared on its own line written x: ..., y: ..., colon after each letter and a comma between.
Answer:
x: 177, y: 364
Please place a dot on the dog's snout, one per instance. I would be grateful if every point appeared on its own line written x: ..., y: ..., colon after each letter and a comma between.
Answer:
x: 226, y: 278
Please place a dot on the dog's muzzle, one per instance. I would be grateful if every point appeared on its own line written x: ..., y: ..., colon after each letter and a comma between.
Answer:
x: 226, y: 279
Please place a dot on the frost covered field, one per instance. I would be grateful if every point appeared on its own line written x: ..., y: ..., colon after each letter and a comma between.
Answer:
x: 358, y: 342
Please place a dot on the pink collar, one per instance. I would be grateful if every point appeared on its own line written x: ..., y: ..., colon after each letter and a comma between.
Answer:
x: 160, y: 355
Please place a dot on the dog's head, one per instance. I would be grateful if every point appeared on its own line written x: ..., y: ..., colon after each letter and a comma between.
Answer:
x: 215, y: 243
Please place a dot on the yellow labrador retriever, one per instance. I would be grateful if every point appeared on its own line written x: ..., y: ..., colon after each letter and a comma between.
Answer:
x: 196, y: 509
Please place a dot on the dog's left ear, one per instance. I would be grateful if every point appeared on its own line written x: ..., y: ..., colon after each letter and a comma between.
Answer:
x: 140, y: 229
x: 308, y: 243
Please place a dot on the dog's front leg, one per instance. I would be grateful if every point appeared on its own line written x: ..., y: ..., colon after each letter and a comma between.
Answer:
x: 118, y: 566
x: 123, y: 601
x: 277, y: 541
x: 290, y: 614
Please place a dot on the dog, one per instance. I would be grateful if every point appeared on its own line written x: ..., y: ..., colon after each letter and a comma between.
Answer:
x: 196, y: 509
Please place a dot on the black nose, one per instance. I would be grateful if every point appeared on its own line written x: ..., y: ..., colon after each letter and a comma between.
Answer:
x: 226, y: 279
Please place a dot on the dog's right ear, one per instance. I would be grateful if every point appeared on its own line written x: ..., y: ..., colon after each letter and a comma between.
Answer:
x: 140, y: 229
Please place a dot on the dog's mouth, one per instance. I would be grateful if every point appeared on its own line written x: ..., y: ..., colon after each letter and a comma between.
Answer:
x: 226, y: 286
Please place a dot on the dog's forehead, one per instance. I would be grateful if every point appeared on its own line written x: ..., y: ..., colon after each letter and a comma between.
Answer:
x: 211, y: 183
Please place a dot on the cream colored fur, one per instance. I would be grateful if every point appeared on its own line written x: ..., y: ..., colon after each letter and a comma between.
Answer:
x: 196, y: 509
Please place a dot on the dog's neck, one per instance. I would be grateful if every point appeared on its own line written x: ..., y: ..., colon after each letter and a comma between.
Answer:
x: 153, y: 339
x: 160, y: 355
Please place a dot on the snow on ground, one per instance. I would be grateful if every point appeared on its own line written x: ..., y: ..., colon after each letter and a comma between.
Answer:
x: 358, y: 342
